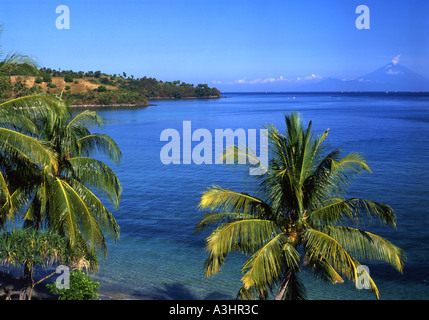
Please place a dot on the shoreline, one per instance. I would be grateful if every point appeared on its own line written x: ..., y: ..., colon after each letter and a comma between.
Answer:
x: 13, y: 284
x: 111, y: 105
x: 133, y: 105
x: 185, y: 98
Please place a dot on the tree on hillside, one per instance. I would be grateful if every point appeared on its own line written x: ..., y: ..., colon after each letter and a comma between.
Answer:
x: 68, y: 78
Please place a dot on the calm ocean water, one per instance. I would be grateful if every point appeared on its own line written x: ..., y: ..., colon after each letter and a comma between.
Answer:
x: 159, y: 257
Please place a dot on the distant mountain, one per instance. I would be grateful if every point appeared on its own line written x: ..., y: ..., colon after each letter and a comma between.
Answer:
x: 391, y: 77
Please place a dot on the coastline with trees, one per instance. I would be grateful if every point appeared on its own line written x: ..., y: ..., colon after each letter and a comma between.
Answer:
x: 100, y: 89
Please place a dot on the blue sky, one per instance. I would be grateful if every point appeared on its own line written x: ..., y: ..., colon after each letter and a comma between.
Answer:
x: 235, y: 45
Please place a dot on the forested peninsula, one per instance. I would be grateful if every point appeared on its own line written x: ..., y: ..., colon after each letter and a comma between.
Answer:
x: 94, y: 88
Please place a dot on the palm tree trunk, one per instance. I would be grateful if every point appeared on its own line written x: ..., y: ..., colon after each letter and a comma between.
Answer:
x: 283, y: 285
x: 28, y: 284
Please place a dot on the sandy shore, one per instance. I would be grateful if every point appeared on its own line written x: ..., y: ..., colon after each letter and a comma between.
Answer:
x: 14, y: 284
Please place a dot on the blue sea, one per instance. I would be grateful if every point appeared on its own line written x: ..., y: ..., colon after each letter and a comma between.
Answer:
x: 158, y: 256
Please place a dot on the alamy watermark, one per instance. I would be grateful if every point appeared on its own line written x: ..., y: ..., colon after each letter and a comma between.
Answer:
x: 63, y: 20
x: 63, y: 280
x: 362, y: 21
x: 181, y: 149
x: 362, y: 279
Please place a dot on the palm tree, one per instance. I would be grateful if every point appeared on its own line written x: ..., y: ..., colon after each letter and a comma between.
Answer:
x: 45, y: 164
x: 18, y: 144
x: 46, y: 177
x: 46, y: 169
x: 300, y: 216
x: 60, y: 196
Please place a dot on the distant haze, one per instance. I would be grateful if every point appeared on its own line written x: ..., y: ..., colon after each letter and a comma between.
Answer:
x: 391, y: 77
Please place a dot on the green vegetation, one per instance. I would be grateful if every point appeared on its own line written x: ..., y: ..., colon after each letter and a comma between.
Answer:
x: 68, y: 78
x: 82, y: 287
x: 48, y: 178
x: 101, y: 89
x: 299, y: 217
x: 29, y: 248
x: 46, y: 77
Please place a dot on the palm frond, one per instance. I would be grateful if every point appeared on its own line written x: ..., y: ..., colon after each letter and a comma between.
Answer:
x: 73, y: 217
x: 322, y: 268
x: 89, y: 227
x: 94, y: 173
x: 85, y: 120
x: 353, y: 210
x: 102, y: 143
x: 245, y: 235
x: 226, y: 200
x: 246, y: 157
x: 63, y: 216
x: 23, y: 111
x: 328, y: 253
x: 320, y: 245
x: 6, y: 207
x: 35, y: 149
x: 104, y: 217
x: 216, y: 218
x: 253, y: 293
x: 367, y: 246
x: 267, y: 264
x: 367, y: 276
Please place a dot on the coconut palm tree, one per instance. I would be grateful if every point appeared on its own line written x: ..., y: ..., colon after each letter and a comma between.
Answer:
x: 300, y: 216
x: 19, y: 146
x: 62, y: 196
x: 18, y: 131
x: 47, y: 175
x: 45, y: 164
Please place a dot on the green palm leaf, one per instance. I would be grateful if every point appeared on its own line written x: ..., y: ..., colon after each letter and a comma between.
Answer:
x: 354, y: 210
x: 23, y: 112
x: 367, y: 246
x: 63, y: 215
x: 104, y: 217
x: 212, y: 219
x: 318, y: 244
x: 244, y: 235
x: 100, y: 143
x: 217, y: 198
x: 84, y: 120
x: 266, y: 264
x: 98, y: 175
x: 33, y: 148
x: 5, y: 200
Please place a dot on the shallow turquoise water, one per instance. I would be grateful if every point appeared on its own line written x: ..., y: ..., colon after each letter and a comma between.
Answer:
x: 159, y: 257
